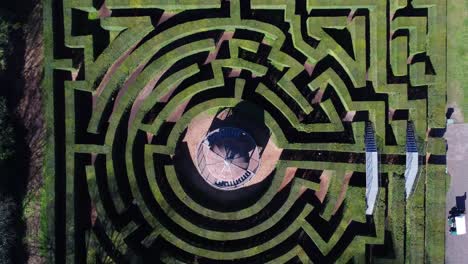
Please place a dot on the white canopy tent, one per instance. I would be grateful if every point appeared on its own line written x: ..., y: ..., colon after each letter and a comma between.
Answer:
x: 460, y: 224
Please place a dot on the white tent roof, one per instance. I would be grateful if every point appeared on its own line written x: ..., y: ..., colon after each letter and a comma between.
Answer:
x: 460, y: 224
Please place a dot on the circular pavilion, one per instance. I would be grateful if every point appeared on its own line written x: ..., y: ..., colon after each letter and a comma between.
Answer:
x: 227, y: 158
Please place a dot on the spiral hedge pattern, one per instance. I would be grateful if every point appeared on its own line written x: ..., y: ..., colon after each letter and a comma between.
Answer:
x: 124, y: 79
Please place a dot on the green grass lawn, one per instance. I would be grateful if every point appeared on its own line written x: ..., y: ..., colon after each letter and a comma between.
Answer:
x: 457, y: 88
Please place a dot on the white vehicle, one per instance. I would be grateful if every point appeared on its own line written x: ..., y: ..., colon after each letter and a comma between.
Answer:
x: 460, y: 224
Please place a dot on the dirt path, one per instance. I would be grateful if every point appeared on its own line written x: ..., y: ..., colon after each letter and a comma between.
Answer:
x: 324, y: 183
x: 225, y: 37
x: 196, y: 132
x: 30, y: 116
x: 178, y: 112
x: 142, y: 95
x: 269, y: 158
x: 344, y: 188
x: 288, y: 176
x: 106, y: 78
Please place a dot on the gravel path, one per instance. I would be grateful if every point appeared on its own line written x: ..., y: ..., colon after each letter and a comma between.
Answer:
x: 457, y: 163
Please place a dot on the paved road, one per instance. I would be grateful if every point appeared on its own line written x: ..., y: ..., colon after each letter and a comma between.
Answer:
x: 457, y: 162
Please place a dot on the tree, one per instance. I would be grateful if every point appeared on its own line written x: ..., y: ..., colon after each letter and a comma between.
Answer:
x: 9, y: 213
x: 7, y: 141
x: 8, y: 225
x: 6, y: 47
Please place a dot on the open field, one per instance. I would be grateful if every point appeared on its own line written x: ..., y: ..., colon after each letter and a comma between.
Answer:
x: 132, y: 87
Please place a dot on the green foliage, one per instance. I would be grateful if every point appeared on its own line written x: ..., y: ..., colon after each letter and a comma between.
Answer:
x: 415, y: 215
x: 435, y: 208
x: 396, y: 218
x: 97, y: 254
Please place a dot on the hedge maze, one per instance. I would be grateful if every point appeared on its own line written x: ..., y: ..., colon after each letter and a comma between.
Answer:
x: 125, y: 78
